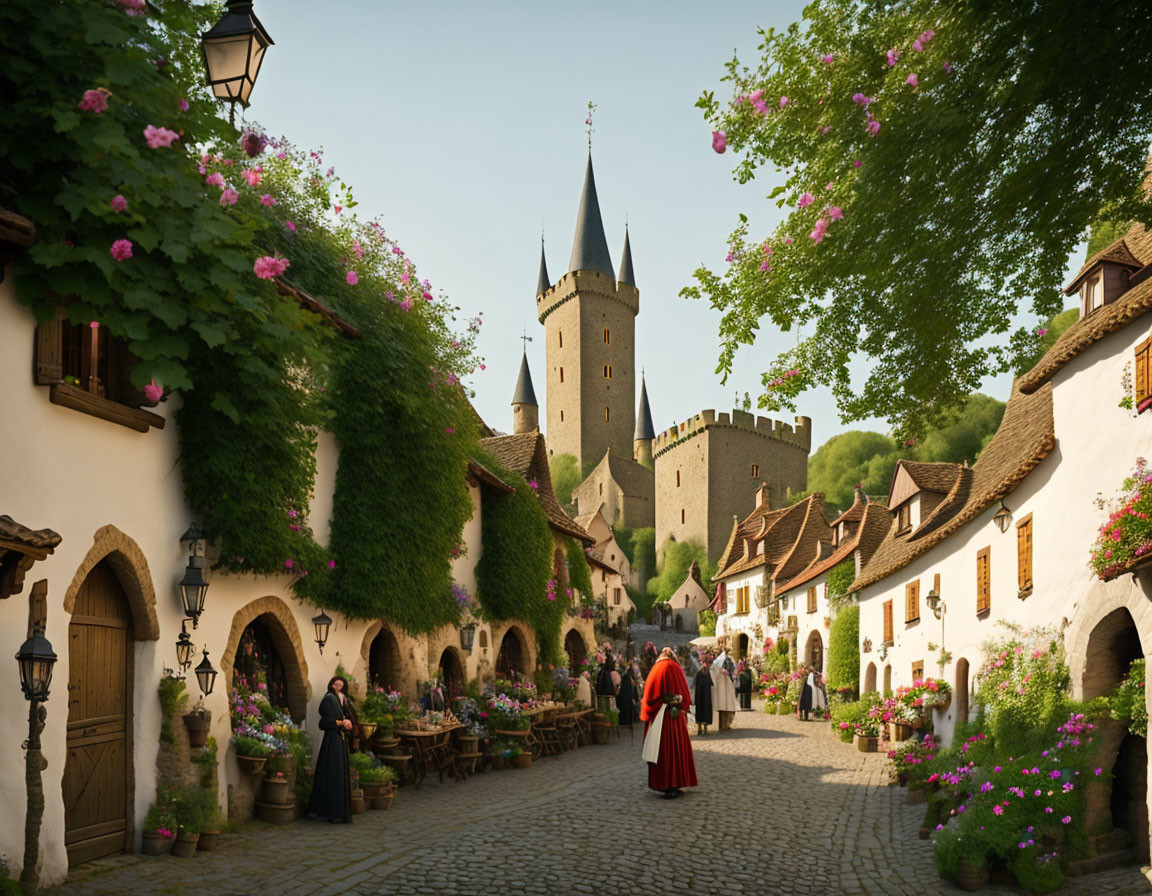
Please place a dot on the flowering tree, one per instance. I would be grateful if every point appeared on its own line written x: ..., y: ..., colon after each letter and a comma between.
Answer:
x: 940, y: 161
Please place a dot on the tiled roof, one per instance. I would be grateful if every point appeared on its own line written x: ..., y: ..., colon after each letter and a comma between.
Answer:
x: 932, y: 477
x: 483, y: 474
x: 14, y: 536
x: 818, y: 567
x: 856, y: 511
x: 1025, y: 437
x: 526, y: 454
x: 789, y: 537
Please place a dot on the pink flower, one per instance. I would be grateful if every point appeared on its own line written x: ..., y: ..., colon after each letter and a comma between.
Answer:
x: 356, y: 248
x: 291, y: 227
x: 1067, y: 819
x: 121, y: 250
x: 406, y: 305
x: 893, y: 55
x: 783, y: 101
x: 132, y: 7
x: 819, y: 230
x: 157, y: 138
x: 835, y: 213
x: 998, y: 809
x: 269, y: 267
x: 337, y: 208
x: 215, y: 179
x: 94, y: 325
x: 719, y: 141
x: 856, y: 164
x: 289, y: 564
x: 252, y: 175
x: 153, y: 391
x: 533, y: 484
x: 861, y: 100
x: 229, y: 197
x: 331, y: 564
x: 805, y: 200
x: 267, y: 199
x: 947, y: 66
x: 118, y: 203
x: 926, y: 36
x: 94, y: 100
x: 449, y: 430
x: 827, y: 60
x: 918, y: 46
x: 873, y: 127
x: 1041, y: 331
x: 912, y: 80
x: 427, y: 296
x: 183, y: 104
x: 351, y: 278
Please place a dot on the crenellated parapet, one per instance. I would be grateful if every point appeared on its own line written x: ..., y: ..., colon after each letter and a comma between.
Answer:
x: 797, y: 435
x: 586, y: 284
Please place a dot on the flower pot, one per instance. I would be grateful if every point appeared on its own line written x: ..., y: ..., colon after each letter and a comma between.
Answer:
x: 866, y: 744
x: 467, y: 744
x: 496, y: 763
x: 943, y: 702
x: 154, y: 844
x: 601, y: 732
x: 900, y: 731
x: 524, y: 760
x: 185, y: 845
x: 359, y: 804
x: 365, y: 730
x: 251, y: 765
x: 275, y: 791
x: 276, y: 813
x: 970, y: 877
x: 209, y: 840
x: 384, y: 799
x: 198, y: 725
x: 923, y: 833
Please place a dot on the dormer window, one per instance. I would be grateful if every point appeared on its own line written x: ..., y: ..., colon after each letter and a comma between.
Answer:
x: 904, y: 517
x: 1105, y: 277
x: 1091, y: 295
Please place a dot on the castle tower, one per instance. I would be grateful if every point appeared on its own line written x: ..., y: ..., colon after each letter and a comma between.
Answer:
x: 525, y: 410
x: 589, y: 318
x: 645, y: 432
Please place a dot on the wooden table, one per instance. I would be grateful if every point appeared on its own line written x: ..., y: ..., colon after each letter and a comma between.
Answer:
x: 430, y: 747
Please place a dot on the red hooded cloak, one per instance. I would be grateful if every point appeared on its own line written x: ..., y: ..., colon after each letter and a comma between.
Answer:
x: 675, y: 767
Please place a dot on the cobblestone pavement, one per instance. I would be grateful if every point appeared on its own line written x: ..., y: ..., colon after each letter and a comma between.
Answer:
x: 783, y: 807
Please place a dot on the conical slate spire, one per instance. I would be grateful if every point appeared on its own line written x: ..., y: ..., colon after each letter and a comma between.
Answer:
x: 544, y: 283
x: 626, y: 276
x: 589, y: 246
x: 644, y: 427
x: 525, y: 394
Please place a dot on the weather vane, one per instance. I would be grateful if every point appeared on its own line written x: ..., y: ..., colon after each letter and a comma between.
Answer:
x: 525, y: 339
x: 588, y: 122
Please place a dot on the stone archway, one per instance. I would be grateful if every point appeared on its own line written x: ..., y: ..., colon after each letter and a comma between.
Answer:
x: 869, y: 679
x: 127, y: 561
x: 385, y: 665
x: 814, y: 651
x: 513, y: 655
x: 276, y: 620
x: 451, y: 666
x: 961, y: 691
x: 576, y: 650
x: 741, y: 645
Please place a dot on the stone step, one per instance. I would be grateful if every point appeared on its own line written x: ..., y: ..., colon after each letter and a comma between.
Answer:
x: 1096, y: 864
x: 1115, y: 840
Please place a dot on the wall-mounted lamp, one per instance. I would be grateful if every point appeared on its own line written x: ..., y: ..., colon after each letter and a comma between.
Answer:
x: 1003, y: 517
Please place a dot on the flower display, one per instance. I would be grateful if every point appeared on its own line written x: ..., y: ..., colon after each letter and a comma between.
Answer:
x: 118, y: 204
x: 1125, y: 538
x: 269, y: 267
x: 94, y: 100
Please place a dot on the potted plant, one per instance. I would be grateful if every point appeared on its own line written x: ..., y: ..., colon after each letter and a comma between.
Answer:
x: 159, y: 829
x: 275, y: 789
x: 519, y: 757
x: 198, y: 722
x: 210, y: 836
x: 867, y: 735
x: 358, y: 805
x: 601, y: 728
x: 382, y: 780
x: 363, y: 764
x: 192, y: 807
x: 251, y: 753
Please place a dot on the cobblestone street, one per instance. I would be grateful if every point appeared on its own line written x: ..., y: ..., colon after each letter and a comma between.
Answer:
x: 783, y: 808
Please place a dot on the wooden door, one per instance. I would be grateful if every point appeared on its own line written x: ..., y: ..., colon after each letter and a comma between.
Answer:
x: 97, y: 772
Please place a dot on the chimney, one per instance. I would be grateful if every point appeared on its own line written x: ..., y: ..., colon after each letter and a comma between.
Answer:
x: 762, y: 494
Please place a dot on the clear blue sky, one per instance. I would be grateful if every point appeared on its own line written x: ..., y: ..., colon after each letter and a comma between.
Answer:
x: 462, y: 126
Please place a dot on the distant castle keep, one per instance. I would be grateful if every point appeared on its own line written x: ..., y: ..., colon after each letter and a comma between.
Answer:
x: 706, y: 465
x: 703, y: 467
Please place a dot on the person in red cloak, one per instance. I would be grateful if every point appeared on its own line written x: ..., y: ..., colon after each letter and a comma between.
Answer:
x: 675, y: 767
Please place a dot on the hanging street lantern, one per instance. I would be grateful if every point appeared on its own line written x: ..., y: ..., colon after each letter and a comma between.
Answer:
x: 205, y: 675
x: 184, y: 647
x: 467, y: 634
x: 233, y: 50
x: 193, y: 588
x: 195, y: 543
x: 36, y: 659
x: 1003, y: 517
x: 321, y: 623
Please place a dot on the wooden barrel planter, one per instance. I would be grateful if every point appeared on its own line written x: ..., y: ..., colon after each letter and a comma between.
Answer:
x: 971, y: 877
x: 198, y: 725
x: 359, y: 804
x: 275, y: 791
x: 209, y: 840
x: 601, y: 732
x: 251, y: 765
x: 365, y: 730
x: 866, y: 744
x: 276, y: 813
x: 185, y: 845
x: 467, y: 744
x: 155, y: 844
x: 524, y: 760
x: 384, y: 797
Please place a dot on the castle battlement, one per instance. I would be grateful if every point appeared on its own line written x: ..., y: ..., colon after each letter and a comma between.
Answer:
x: 797, y: 435
x: 586, y: 284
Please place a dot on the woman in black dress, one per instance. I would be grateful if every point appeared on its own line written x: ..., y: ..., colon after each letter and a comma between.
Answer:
x: 745, y: 689
x: 626, y: 698
x: 331, y: 782
x: 702, y: 698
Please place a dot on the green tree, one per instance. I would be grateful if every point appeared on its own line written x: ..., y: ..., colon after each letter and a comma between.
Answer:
x: 675, y: 560
x: 931, y: 198
x: 844, y: 649
x: 1049, y: 333
x: 565, y: 470
x: 639, y: 546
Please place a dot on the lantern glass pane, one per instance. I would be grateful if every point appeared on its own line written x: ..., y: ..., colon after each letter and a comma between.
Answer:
x: 256, y: 50
x: 227, y: 61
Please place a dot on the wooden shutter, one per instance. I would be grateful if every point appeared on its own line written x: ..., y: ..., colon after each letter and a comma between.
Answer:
x: 812, y: 599
x: 983, y: 581
x: 888, y: 639
x: 49, y: 362
x: 1143, y: 370
x: 1024, y: 552
x: 912, y: 601
x: 918, y: 670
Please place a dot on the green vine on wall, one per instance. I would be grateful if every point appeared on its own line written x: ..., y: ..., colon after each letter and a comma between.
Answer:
x: 579, y: 572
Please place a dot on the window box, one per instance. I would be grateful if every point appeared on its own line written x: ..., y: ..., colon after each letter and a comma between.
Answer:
x: 68, y: 396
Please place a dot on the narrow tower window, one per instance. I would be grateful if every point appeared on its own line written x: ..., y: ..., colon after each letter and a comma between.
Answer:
x: 561, y: 416
x: 755, y: 470
x: 681, y: 516
x: 560, y: 333
x: 607, y: 336
x: 677, y: 479
x: 561, y: 374
x: 607, y: 415
x: 607, y: 371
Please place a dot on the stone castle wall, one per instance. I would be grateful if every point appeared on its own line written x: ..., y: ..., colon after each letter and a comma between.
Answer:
x: 714, y: 455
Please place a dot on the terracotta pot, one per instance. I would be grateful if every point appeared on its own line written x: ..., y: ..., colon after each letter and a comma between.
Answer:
x: 275, y: 791
x: 524, y: 760
x: 185, y: 845
x: 383, y: 801
x: 276, y: 813
x: 866, y: 744
x: 209, y: 840
x: 251, y: 765
x: 198, y: 726
x: 359, y: 804
x: 365, y: 730
x: 900, y: 731
x: 154, y: 844
x: 970, y: 877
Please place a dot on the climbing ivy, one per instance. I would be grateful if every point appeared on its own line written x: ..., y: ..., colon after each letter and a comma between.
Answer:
x: 579, y: 572
x: 515, y: 567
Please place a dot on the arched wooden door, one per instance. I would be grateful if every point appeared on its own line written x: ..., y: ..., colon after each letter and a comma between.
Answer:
x: 98, y: 767
x: 452, y: 674
x: 574, y: 647
x: 509, y: 664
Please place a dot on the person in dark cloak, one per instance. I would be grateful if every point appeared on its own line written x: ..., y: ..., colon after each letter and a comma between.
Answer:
x: 332, y: 782
x: 626, y: 698
x: 702, y: 695
x: 745, y: 686
x: 807, y: 694
x: 605, y: 685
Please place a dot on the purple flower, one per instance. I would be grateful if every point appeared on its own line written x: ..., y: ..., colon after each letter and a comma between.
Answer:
x: 719, y: 141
